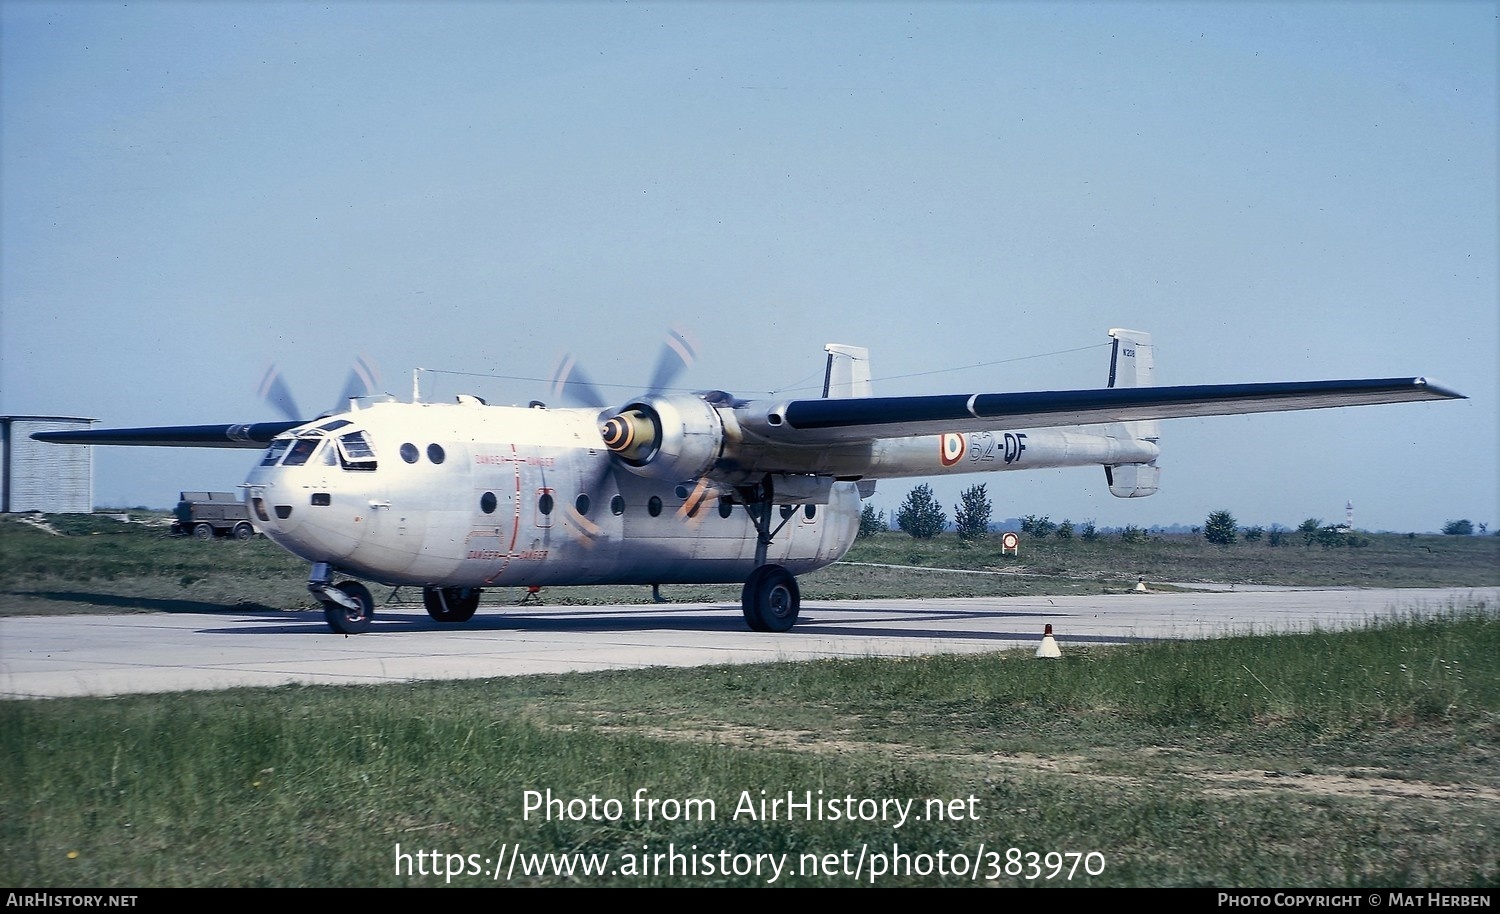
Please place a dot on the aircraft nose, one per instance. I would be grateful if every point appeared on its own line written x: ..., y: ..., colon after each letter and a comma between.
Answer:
x: 270, y: 514
x: 303, y: 519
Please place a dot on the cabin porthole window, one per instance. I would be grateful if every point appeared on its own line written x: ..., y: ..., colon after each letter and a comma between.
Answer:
x: 487, y: 502
x: 436, y: 454
x: 581, y: 503
x: 409, y: 453
x: 617, y: 505
x: 653, y: 507
x: 544, y: 504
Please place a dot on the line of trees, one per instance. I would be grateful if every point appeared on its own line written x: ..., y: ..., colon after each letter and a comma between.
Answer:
x: 923, y: 517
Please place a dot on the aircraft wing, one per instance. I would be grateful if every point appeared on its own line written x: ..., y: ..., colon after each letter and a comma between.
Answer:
x: 251, y: 435
x: 860, y: 419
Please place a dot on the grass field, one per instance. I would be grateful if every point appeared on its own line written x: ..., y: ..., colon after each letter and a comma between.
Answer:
x: 1353, y: 759
x: 1367, y: 758
x: 105, y: 565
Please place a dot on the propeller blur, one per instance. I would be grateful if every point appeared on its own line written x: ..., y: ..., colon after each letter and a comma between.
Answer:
x: 671, y: 487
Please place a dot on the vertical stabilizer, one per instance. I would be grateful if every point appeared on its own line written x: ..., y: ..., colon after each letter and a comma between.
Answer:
x: 848, y: 371
x: 1132, y: 363
x: 848, y: 375
x: 1132, y: 360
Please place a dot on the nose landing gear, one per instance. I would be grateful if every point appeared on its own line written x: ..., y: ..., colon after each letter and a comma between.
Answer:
x: 348, y: 606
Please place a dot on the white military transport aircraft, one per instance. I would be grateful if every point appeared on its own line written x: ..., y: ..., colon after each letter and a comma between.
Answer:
x: 674, y: 488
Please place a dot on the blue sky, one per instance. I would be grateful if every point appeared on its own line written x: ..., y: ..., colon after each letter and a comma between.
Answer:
x: 1278, y: 191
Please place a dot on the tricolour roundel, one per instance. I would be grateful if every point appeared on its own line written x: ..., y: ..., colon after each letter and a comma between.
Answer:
x: 952, y: 449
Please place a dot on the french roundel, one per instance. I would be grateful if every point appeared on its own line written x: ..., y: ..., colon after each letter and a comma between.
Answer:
x: 952, y: 449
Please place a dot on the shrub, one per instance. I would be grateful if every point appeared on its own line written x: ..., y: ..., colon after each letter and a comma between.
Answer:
x: 1039, y: 527
x: 870, y: 523
x: 1220, y: 528
x: 972, y: 515
x: 920, y: 515
x: 1309, y: 530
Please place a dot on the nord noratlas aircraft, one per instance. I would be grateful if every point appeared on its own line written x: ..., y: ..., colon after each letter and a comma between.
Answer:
x: 673, y: 488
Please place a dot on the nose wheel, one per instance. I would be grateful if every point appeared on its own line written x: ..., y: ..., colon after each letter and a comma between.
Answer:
x: 348, y: 606
x: 352, y: 614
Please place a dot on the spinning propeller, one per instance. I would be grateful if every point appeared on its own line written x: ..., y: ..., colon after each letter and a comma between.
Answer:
x: 275, y: 391
x: 571, y: 384
x: 633, y: 432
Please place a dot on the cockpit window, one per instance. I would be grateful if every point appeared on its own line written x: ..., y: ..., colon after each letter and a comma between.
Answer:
x: 355, y: 451
x: 274, y: 452
x: 352, y: 451
x: 301, y: 450
x: 335, y: 425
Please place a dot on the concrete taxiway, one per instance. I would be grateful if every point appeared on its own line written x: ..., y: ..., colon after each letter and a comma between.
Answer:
x: 56, y: 656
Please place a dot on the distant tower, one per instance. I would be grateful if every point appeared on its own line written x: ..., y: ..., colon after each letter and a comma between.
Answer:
x: 1349, y: 515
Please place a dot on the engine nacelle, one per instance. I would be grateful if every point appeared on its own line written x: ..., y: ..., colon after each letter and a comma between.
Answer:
x: 668, y: 438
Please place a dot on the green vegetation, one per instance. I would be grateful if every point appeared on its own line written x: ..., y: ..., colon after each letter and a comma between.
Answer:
x: 1112, y: 563
x: 1221, y: 528
x: 1354, y: 759
x: 108, y: 566
x: 920, y: 515
x: 972, y: 515
x: 1039, y: 527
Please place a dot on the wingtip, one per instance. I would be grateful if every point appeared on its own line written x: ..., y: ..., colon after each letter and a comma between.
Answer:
x: 1439, y: 389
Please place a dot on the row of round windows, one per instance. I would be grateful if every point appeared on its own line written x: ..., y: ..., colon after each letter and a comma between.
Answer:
x: 435, y: 453
x: 546, y: 504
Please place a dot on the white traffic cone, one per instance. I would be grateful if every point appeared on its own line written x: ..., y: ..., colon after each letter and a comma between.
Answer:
x: 1048, y: 648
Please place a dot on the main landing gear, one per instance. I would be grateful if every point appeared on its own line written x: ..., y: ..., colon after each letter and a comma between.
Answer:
x: 451, y: 604
x: 770, y: 598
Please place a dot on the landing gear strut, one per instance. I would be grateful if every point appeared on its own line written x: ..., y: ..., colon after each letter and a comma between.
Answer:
x: 348, y: 606
x: 770, y: 598
x: 451, y: 604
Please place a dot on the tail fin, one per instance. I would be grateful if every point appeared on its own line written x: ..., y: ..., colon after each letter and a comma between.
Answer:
x: 848, y: 375
x: 848, y: 371
x: 1132, y: 363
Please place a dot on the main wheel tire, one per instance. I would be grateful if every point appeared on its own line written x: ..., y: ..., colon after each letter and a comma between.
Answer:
x: 451, y: 604
x: 243, y: 532
x: 748, y: 600
x: 772, y: 596
x: 204, y: 531
x: 348, y: 621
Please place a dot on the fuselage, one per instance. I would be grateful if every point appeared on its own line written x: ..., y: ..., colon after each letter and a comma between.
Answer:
x: 469, y: 495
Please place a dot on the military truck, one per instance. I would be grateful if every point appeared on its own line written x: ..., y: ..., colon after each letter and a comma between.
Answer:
x: 207, y: 515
